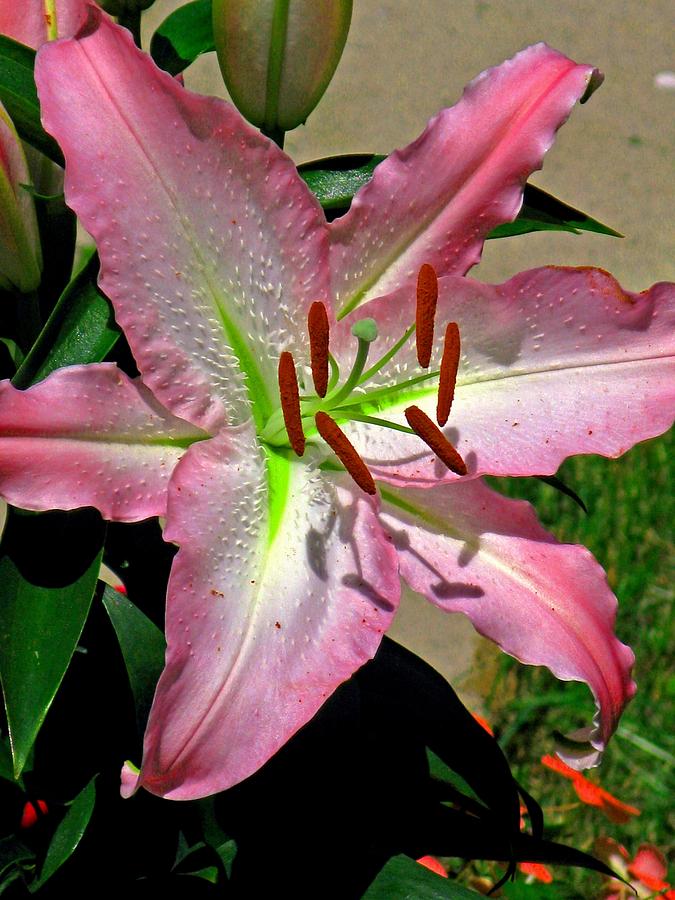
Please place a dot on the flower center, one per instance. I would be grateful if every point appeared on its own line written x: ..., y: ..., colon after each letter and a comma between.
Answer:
x: 300, y: 418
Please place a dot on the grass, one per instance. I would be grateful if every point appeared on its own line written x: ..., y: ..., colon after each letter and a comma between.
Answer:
x: 629, y: 528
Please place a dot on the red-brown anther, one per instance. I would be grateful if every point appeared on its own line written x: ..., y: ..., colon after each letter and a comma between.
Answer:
x: 317, y: 326
x: 434, y: 438
x: 448, y: 373
x: 343, y: 448
x: 425, y: 313
x: 290, y: 402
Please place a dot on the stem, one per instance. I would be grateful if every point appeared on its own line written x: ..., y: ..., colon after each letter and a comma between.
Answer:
x: 132, y: 21
x: 275, y: 134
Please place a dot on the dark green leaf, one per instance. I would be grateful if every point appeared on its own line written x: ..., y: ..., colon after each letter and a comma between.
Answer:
x: 520, y: 890
x: 12, y: 854
x: 81, y: 329
x: 183, y: 36
x: 560, y: 485
x: 58, y: 232
x: 142, y: 645
x: 48, y: 571
x: 19, y: 97
x: 68, y: 834
x: 6, y: 765
x: 544, y: 212
x: 404, y: 879
x: 335, y: 180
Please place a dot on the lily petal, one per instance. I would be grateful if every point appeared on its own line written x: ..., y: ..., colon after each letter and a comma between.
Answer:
x: 30, y: 21
x: 470, y: 550
x: 212, y: 248
x: 555, y: 362
x: 89, y: 436
x: 260, y: 629
x: 435, y: 200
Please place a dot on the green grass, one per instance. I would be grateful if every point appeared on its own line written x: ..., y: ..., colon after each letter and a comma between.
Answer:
x: 629, y: 528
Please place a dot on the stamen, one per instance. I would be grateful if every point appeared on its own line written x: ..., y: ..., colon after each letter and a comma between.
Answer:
x: 290, y: 402
x: 317, y: 326
x: 345, y: 451
x: 427, y: 296
x: 434, y: 438
x: 448, y: 376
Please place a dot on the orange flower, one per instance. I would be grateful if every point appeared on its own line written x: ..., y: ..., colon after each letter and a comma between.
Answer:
x: 430, y: 862
x: 592, y: 794
x: 536, y: 871
x: 646, y: 871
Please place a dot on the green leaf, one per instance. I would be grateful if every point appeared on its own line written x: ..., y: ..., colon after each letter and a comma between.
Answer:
x: 183, y: 36
x: 19, y: 97
x: 336, y: 179
x: 544, y: 212
x: 404, y: 879
x: 68, y: 834
x: 81, y: 329
x: 521, y: 890
x: 48, y: 571
x: 12, y: 854
x: 142, y: 645
x: 559, y: 485
x: 58, y: 233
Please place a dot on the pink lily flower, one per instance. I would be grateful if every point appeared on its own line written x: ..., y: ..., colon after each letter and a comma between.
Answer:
x: 214, y: 254
x: 32, y: 22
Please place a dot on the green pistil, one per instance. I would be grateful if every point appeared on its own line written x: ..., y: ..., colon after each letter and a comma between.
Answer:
x: 389, y: 355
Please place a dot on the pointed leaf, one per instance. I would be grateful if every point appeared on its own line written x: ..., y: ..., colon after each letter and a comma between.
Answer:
x: 81, y: 329
x: 335, y: 180
x: 183, y: 36
x: 68, y: 835
x: 544, y: 212
x: 403, y: 879
x: 43, y: 607
x: 559, y: 485
x: 142, y: 645
x: 19, y: 97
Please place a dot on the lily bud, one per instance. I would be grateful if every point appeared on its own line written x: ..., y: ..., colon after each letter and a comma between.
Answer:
x: 20, y: 254
x: 278, y: 56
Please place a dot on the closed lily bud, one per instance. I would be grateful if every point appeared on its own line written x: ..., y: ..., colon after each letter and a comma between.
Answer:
x: 278, y: 56
x: 20, y: 254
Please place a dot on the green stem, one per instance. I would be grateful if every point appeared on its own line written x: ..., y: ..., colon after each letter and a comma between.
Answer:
x: 132, y: 21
